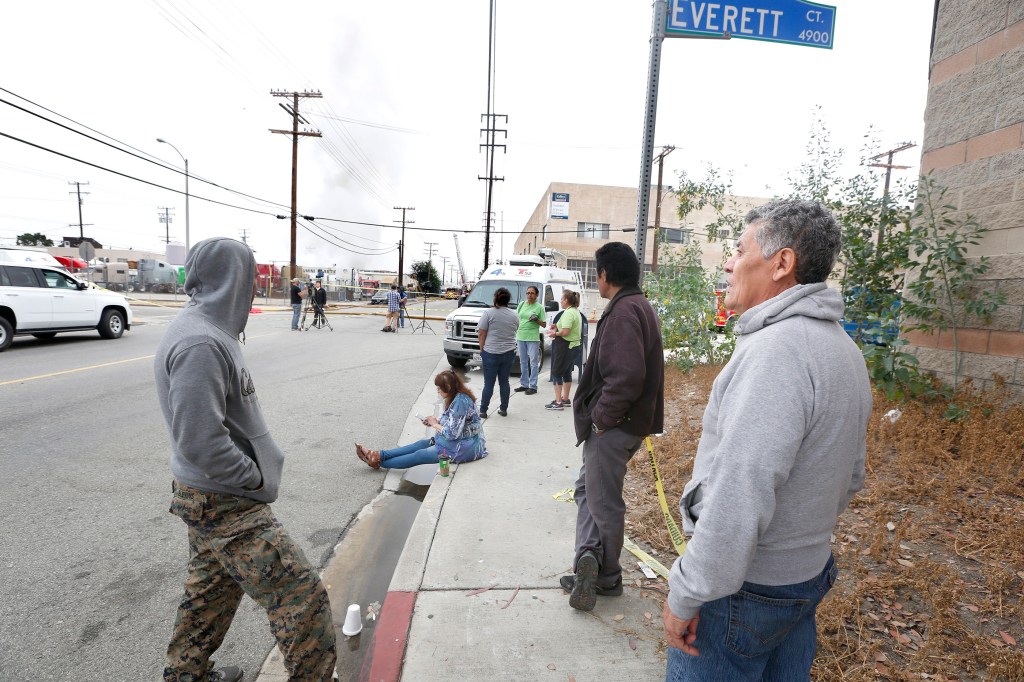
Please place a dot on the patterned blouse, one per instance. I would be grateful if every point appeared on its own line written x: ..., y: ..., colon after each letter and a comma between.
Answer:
x: 462, y: 433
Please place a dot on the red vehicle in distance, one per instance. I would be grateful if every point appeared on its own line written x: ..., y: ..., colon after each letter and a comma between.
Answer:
x: 723, y: 316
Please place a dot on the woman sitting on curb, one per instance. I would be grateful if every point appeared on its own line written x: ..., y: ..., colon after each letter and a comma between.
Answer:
x: 459, y: 432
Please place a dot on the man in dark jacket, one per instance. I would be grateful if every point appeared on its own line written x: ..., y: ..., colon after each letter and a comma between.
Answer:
x: 619, y: 401
x: 227, y: 470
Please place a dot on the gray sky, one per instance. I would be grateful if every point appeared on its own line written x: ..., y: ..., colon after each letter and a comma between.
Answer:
x: 404, y: 88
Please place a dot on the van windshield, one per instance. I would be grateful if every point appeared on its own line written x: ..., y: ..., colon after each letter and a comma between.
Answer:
x: 482, y: 295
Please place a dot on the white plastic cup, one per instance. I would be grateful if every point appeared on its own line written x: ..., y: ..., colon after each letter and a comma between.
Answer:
x: 353, y: 621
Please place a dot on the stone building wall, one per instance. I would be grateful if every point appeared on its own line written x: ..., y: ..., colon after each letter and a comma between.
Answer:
x: 974, y: 128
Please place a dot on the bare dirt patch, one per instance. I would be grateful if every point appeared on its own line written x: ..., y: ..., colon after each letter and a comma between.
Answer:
x: 931, y: 552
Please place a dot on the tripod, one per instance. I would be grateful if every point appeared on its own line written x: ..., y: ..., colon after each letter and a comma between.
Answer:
x: 423, y: 321
x: 319, y: 320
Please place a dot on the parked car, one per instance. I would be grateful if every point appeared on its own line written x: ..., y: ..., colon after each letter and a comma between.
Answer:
x: 43, y: 300
x: 379, y: 297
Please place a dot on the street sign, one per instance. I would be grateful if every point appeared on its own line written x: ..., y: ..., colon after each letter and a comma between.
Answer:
x: 796, y: 22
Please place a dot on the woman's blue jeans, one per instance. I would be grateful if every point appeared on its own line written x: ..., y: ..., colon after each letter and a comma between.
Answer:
x: 529, y: 363
x: 496, y: 366
x: 405, y: 456
x: 760, y: 633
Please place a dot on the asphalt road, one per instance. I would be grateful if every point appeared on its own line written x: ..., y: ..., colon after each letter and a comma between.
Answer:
x: 91, y: 562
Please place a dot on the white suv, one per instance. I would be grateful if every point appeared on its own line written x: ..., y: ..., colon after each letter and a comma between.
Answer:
x: 42, y: 300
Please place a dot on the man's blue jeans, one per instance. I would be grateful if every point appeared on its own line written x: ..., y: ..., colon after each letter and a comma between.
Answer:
x: 760, y: 633
x: 420, y: 452
x: 296, y: 309
x: 529, y: 363
x: 496, y: 366
x: 401, y: 318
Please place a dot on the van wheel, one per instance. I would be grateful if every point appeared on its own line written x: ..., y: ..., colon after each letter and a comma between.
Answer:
x: 6, y: 334
x: 456, y: 362
x: 111, y: 324
x: 45, y: 335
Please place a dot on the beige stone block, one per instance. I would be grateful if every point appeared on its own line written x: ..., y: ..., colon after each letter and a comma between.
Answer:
x: 994, y: 244
x: 1012, y: 291
x: 1018, y: 373
x: 988, y: 194
x: 933, y: 360
x: 1009, y: 112
x: 1005, y: 318
x: 1006, y: 165
x: 1015, y: 13
x: 1012, y: 63
x: 973, y: 173
x: 984, y: 366
x: 1000, y: 216
x: 1006, y: 267
x: 985, y: 19
x: 977, y: 77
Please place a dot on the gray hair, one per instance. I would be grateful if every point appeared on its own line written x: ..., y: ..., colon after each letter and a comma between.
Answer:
x: 807, y: 227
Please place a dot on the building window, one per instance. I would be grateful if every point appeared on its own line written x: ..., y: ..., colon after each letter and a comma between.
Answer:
x: 592, y: 230
x: 672, y: 235
x: 586, y: 268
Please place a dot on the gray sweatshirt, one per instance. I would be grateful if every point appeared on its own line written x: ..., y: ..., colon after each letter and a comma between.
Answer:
x: 781, y: 453
x: 219, y: 440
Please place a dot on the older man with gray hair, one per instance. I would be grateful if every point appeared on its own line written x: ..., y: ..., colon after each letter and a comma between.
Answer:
x: 780, y: 457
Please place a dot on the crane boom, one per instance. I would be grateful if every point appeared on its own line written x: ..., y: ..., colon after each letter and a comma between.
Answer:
x: 458, y: 254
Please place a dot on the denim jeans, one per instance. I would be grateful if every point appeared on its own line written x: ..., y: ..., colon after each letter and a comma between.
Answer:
x: 760, y: 633
x: 296, y: 309
x: 496, y: 366
x: 401, y: 317
x: 529, y: 363
x: 420, y: 452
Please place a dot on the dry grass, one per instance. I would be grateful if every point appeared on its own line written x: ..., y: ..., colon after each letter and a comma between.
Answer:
x: 939, y: 597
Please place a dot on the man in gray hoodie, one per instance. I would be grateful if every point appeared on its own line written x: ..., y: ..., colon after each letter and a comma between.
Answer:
x: 780, y: 457
x: 227, y: 471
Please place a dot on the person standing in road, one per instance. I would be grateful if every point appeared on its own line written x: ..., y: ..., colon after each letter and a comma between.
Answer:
x: 394, y: 305
x: 227, y: 471
x: 619, y: 401
x: 297, y: 296
x: 531, y: 319
x: 402, y: 301
x: 780, y: 457
x: 565, y: 335
x: 497, y: 333
x: 319, y: 301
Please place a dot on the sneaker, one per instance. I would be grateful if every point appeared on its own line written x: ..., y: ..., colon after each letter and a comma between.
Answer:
x: 531, y: 391
x: 386, y: 329
x: 553, y: 405
x: 483, y: 414
x: 520, y: 389
x: 569, y: 581
x: 503, y: 413
x: 229, y: 673
x: 584, y: 586
x: 566, y: 403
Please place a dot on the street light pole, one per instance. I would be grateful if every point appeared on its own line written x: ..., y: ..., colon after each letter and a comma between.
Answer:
x: 188, y: 243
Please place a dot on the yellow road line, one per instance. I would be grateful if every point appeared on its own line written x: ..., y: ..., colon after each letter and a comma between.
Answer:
x: 73, y: 371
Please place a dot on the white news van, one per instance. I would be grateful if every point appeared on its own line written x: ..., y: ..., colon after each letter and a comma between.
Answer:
x: 460, y: 338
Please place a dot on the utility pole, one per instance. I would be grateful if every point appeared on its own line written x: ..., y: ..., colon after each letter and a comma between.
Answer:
x: 490, y: 129
x: 78, y: 191
x: 166, y: 219
x: 430, y: 257
x: 888, y: 166
x: 660, y: 158
x: 444, y: 269
x: 293, y: 109
x: 245, y: 236
x: 401, y: 244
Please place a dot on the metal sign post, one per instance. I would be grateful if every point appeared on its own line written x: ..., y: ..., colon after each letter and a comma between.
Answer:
x: 795, y: 22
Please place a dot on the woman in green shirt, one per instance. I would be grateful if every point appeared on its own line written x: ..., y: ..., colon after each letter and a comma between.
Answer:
x: 531, y: 319
x: 565, y: 346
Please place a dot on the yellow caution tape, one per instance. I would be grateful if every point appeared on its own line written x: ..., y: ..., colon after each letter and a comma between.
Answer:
x: 565, y: 495
x: 643, y: 556
x: 678, y: 541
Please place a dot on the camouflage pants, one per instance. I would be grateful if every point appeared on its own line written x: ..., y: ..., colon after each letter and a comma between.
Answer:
x: 237, y: 547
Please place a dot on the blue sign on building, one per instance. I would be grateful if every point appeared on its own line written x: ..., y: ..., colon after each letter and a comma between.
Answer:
x: 797, y: 22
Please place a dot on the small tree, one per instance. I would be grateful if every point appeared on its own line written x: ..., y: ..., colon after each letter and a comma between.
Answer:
x: 943, y: 289
x: 427, y: 277
x: 33, y: 239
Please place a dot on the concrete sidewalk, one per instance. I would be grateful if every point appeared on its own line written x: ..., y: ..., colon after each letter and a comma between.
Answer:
x: 475, y: 594
x: 494, y: 525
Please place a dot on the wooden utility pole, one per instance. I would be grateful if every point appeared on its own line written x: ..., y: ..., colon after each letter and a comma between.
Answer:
x: 166, y: 218
x: 660, y: 158
x: 401, y: 244
x: 293, y: 109
x: 78, y: 191
x: 888, y: 166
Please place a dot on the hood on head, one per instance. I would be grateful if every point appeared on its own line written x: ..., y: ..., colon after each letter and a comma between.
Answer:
x: 219, y: 275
